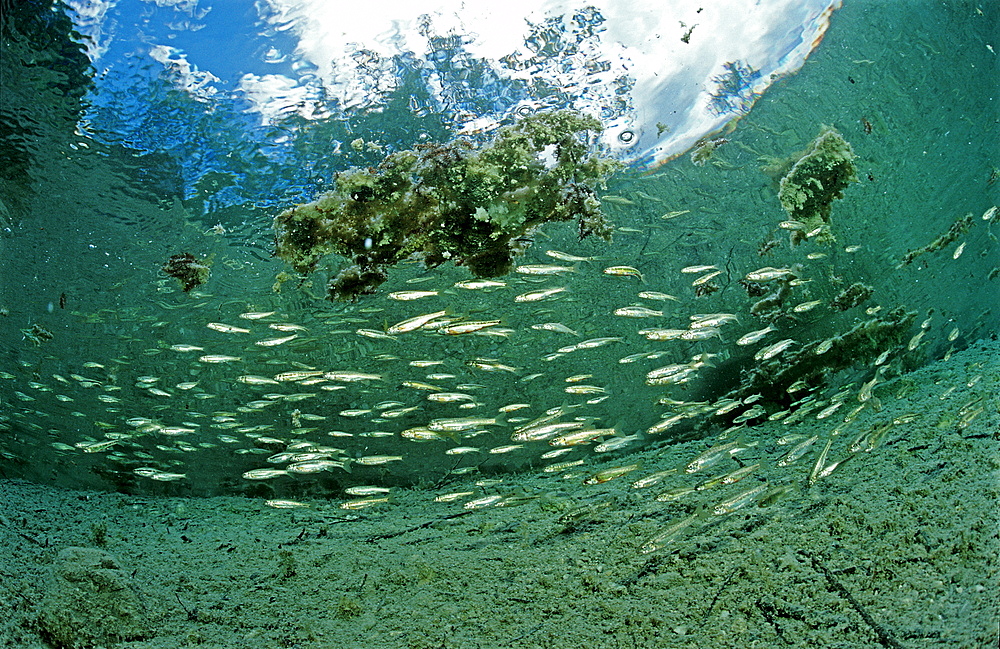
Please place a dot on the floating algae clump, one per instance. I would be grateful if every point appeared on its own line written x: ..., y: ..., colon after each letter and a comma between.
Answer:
x: 188, y: 269
x: 815, y: 179
x: 451, y: 201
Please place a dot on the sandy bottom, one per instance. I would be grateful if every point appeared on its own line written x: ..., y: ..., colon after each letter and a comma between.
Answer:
x: 897, y: 547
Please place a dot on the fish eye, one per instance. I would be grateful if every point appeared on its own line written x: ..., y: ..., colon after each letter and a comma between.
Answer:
x: 626, y: 136
x: 524, y: 111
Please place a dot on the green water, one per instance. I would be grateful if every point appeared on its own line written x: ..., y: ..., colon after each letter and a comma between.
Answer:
x: 882, y: 532
x: 91, y: 225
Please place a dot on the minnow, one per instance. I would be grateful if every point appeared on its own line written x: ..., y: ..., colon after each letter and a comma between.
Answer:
x: 562, y: 466
x: 411, y: 324
x: 218, y: 358
x: 582, y: 436
x: 451, y: 497
x: 467, y: 327
x: 364, y: 490
x: 585, y: 389
x: 637, y: 312
x: 712, y: 320
x: 624, y: 271
x: 264, y: 474
x: 535, y: 296
x: 398, y: 412
x: 425, y: 363
x: 705, y: 279
x: 450, y: 397
x: 656, y: 295
x: 596, y: 342
x: 767, y: 273
x: 460, y: 424
x: 372, y: 333
x: 351, y: 377
x: 406, y: 296
x: 286, y: 326
x: 374, y: 460
x: 713, y: 455
x: 755, y: 336
x: 271, y: 342
x: 297, y: 375
x: 279, y: 503
x: 797, y: 452
x: 675, y: 493
x: 499, y: 450
x: 227, y: 329
x: 665, y: 424
x: 251, y: 379
x: 701, y: 333
x: 461, y: 450
x: 752, y: 413
x: 535, y: 433
x: 565, y: 256
x: 163, y: 476
x: 806, y: 306
x: 485, y: 501
x: 421, y: 434
x: 698, y: 269
x: 739, y: 501
x: 773, y: 350
x: 555, y: 327
x: 363, y: 503
x: 662, y: 334
x: 824, y: 346
x: 653, y: 479
x: 616, y: 443
x: 186, y: 348
x: 616, y: 200
x: 669, y: 533
x: 315, y: 466
x: 543, y: 269
x: 490, y: 366
x: 474, y: 284
x: 610, y: 474
x: 417, y: 385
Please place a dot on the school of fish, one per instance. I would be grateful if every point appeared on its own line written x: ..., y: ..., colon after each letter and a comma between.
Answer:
x: 568, y: 359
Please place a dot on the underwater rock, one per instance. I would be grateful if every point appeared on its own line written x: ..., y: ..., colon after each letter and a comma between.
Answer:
x: 190, y: 270
x: 90, y: 602
x: 452, y: 201
x: 814, y: 181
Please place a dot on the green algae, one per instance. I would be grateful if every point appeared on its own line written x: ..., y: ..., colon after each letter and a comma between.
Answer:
x: 817, y: 178
x: 452, y: 202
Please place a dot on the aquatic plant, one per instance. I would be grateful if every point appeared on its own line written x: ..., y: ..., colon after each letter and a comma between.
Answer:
x: 452, y: 201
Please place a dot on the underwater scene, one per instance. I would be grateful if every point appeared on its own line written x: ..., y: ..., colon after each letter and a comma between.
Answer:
x: 563, y: 324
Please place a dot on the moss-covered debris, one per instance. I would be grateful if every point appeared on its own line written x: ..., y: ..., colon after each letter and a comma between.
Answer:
x: 452, y: 201
x: 815, y: 180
